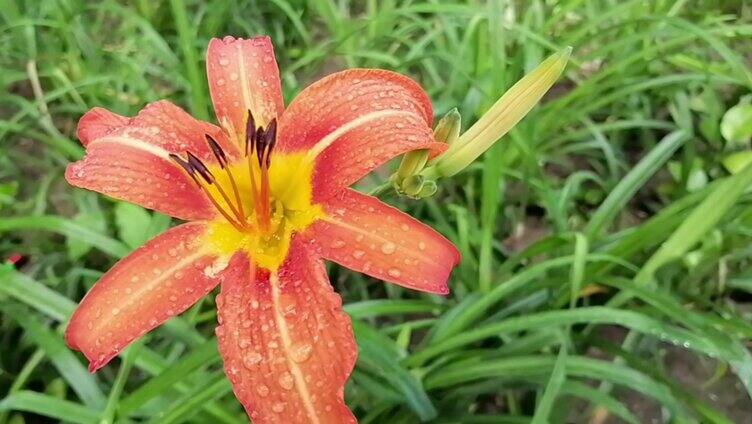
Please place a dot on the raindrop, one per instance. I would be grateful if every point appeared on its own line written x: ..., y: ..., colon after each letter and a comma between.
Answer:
x: 262, y: 390
x: 224, y: 61
x: 302, y: 352
x: 251, y: 359
x: 233, y: 76
x: 278, y: 407
x: 394, y: 272
x: 221, y: 82
x: 336, y: 244
x: 357, y: 254
x: 285, y: 380
x: 388, y: 248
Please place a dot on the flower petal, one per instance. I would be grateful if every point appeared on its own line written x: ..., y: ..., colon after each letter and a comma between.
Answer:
x: 156, y: 282
x: 366, y: 235
x: 97, y: 122
x: 287, y: 346
x: 243, y: 75
x: 354, y: 121
x: 131, y: 162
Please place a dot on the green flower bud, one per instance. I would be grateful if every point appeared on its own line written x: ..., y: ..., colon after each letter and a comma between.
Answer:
x: 502, y: 116
x: 447, y: 131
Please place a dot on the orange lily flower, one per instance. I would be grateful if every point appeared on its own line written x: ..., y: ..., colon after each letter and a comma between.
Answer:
x: 267, y: 197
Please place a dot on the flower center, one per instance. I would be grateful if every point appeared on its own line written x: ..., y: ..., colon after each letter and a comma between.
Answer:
x: 263, y: 202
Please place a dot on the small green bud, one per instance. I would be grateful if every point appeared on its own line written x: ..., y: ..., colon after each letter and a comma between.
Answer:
x: 448, y: 128
x: 447, y: 131
x: 417, y: 187
x: 412, y: 185
x: 429, y: 189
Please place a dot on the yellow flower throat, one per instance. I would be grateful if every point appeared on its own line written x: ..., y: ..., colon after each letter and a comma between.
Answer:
x: 262, y: 202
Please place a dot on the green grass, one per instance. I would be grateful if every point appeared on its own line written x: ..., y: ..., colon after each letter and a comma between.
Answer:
x: 605, y: 246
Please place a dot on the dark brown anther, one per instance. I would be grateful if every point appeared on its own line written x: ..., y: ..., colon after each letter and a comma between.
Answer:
x: 185, y: 165
x: 200, y: 168
x: 271, y: 139
x: 250, y: 133
x: 217, y: 150
x: 260, y: 144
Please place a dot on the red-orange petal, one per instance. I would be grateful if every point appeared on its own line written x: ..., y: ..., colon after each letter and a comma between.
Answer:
x: 97, y: 122
x: 364, y: 234
x: 288, y: 347
x: 354, y: 121
x: 156, y: 282
x: 243, y: 75
x: 131, y: 162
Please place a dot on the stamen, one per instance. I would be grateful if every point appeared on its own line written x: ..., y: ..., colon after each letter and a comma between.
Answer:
x: 199, y: 167
x: 271, y: 139
x: 250, y: 146
x: 185, y: 165
x: 217, y: 150
x: 250, y: 134
x: 265, y: 143
x: 222, y: 159
x: 260, y: 144
x: 191, y: 170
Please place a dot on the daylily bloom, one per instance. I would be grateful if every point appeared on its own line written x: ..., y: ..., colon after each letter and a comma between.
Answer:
x: 267, y: 197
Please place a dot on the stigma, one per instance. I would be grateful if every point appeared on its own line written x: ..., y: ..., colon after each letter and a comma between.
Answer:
x: 247, y: 207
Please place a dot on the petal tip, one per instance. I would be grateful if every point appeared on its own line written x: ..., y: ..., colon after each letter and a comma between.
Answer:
x: 97, y: 122
x: 74, y: 173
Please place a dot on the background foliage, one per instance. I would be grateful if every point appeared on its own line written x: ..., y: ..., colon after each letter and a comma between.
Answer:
x: 606, y: 245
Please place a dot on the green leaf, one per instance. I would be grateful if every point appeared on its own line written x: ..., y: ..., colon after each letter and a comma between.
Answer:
x: 68, y: 365
x: 378, y: 352
x: 736, y: 125
x: 636, y: 178
x: 49, y: 406
x: 132, y: 224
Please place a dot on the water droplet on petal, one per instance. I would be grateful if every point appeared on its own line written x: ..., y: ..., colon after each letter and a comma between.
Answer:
x: 421, y: 246
x: 302, y: 352
x: 224, y: 61
x: 357, y: 254
x: 388, y: 248
x: 336, y: 244
x: 286, y: 381
x: 251, y: 359
x: 278, y: 407
x: 394, y: 272
x: 262, y: 390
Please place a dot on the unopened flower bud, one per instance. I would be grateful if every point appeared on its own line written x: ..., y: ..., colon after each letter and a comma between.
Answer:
x: 448, y: 128
x: 502, y: 116
x: 447, y: 131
